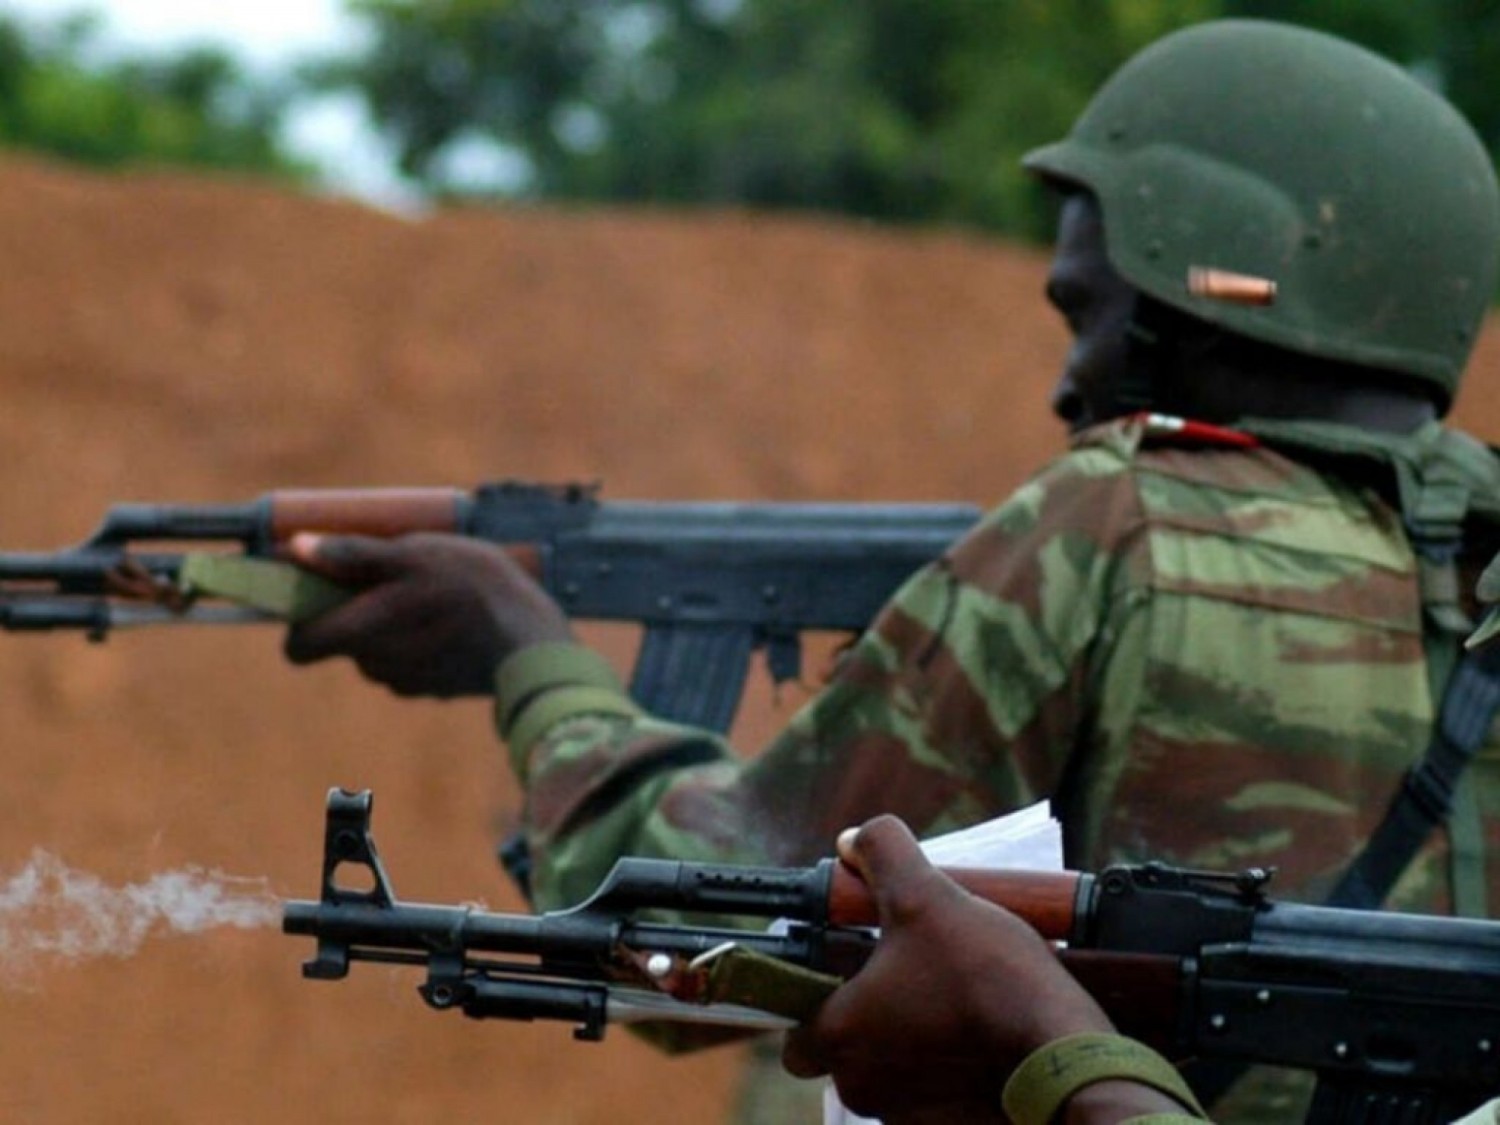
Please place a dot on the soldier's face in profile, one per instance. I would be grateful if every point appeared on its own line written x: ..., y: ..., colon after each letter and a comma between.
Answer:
x: 1097, y: 305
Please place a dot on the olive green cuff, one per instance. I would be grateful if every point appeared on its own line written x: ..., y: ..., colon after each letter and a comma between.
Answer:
x: 539, y: 686
x: 1052, y: 1074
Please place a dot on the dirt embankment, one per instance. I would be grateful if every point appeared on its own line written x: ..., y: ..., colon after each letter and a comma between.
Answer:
x: 173, y: 338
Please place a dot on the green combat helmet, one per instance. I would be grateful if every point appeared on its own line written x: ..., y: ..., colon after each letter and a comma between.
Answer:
x: 1361, y: 202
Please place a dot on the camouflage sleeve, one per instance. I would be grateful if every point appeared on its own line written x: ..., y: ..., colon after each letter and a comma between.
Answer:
x: 962, y: 701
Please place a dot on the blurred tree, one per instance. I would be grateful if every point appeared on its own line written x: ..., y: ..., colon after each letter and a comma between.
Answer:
x: 1408, y: 31
x: 195, y: 107
x: 884, y: 109
x: 1468, y: 57
x: 887, y: 108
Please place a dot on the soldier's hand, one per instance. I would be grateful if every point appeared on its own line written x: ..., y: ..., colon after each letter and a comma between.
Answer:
x: 956, y: 994
x: 434, y: 614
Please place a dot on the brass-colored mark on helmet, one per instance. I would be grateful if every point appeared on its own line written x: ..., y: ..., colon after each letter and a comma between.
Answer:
x: 1226, y: 285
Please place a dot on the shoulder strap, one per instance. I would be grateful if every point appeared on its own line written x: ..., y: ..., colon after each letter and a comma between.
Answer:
x: 1425, y: 798
x: 1445, y: 479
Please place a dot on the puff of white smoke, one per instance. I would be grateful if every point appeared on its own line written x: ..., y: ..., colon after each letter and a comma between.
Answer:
x: 49, y: 911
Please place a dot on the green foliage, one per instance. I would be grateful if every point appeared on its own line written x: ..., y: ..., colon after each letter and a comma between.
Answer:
x: 886, y: 108
x: 1469, y: 60
x: 891, y: 109
x: 193, y: 107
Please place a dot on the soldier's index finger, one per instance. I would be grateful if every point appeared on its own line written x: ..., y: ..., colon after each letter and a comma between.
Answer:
x: 355, y: 560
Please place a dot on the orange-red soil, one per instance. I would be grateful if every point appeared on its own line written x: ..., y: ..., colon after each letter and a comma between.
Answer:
x: 173, y: 338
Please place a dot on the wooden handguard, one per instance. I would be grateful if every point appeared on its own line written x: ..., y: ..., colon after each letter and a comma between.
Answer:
x: 380, y: 512
x: 1045, y: 899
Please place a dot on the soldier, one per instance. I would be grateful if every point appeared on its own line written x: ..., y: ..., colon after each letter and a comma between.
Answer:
x: 1215, y: 631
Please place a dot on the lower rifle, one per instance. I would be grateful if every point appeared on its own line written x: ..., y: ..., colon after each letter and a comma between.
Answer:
x: 1398, y: 1015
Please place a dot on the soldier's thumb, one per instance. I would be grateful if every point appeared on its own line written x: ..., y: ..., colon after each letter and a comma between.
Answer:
x: 886, y: 855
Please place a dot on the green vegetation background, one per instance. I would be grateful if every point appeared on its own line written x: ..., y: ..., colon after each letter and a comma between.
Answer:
x: 909, y: 111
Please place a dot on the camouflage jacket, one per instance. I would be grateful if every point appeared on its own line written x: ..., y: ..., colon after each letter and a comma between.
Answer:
x: 1203, y: 654
x: 1206, y: 655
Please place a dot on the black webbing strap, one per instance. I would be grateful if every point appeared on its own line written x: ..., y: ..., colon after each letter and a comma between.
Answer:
x: 1470, y: 695
x: 1425, y: 798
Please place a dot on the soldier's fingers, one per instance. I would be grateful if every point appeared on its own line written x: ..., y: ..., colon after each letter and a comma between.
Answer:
x: 801, y: 1056
x: 355, y: 627
x: 351, y: 560
x: 902, y: 881
x: 423, y: 661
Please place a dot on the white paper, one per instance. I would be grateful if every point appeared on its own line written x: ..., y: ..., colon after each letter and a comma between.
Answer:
x: 1028, y: 839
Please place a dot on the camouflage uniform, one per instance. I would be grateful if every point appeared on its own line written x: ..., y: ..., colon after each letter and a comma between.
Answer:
x: 1210, y: 656
x: 1203, y: 654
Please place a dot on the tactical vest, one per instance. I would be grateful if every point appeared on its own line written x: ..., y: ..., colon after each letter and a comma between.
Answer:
x: 1447, y: 487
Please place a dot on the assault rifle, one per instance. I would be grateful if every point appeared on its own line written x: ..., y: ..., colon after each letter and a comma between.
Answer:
x: 711, y: 582
x: 1398, y: 1015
